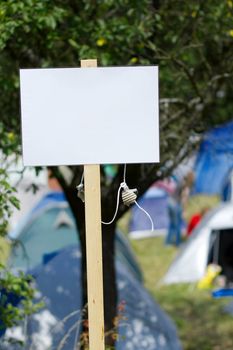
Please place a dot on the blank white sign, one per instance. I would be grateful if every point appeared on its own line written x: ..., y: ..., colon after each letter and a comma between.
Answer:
x: 77, y: 116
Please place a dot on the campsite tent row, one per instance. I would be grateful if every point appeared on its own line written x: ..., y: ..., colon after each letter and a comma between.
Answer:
x: 51, y: 253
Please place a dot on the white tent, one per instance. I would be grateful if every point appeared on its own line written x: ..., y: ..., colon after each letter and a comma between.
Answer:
x: 211, y: 241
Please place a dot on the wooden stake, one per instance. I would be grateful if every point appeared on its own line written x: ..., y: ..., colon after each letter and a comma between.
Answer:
x: 94, y: 248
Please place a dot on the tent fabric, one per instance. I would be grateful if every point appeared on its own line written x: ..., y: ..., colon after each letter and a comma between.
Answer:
x: 191, y: 262
x: 146, y: 325
x: 214, y: 160
x: 50, y: 198
x: 154, y: 201
x: 39, y: 235
x: 223, y: 293
x: 56, y: 264
x: 227, y: 190
x: 47, y: 199
x: 228, y: 308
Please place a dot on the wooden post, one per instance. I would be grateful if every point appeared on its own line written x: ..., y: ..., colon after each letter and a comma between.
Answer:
x: 94, y: 249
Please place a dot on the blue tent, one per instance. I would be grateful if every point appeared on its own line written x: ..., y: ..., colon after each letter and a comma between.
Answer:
x: 145, y: 325
x: 214, y: 161
x: 49, y: 227
x: 57, y: 268
x: 154, y: 201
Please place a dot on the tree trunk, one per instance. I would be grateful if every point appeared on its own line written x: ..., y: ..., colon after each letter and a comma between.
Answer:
x: 110, y: 287
x: 109, y: 274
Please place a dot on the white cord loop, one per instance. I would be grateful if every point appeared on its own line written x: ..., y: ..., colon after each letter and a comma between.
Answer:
x: 129, y: 196
x: 117, y: 206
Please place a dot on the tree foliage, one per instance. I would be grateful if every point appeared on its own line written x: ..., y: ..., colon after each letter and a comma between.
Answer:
x: 17, y: 301
x: 190, y: 41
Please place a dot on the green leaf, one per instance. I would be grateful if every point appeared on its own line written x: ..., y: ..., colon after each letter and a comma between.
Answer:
x: 15, y: 202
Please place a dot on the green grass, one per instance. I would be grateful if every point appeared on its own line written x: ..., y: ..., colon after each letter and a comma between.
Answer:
x: 153, y: 258
x: 199, y: 318
x: 198, y: 203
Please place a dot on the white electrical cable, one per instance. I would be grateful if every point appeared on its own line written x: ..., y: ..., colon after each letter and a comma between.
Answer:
x: 128, y: 196
x: 124, y: 176
x: 144, y: 211
x: 117, y: 207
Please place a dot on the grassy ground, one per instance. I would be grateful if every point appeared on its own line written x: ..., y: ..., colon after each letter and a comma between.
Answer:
x: 198, y: 203
x: 199, y: 318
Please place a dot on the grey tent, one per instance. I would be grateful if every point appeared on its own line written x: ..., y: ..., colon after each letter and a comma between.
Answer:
x: 211, y: 241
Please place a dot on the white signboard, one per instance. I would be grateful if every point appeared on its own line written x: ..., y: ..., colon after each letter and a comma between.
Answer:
x: 77, y: 116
